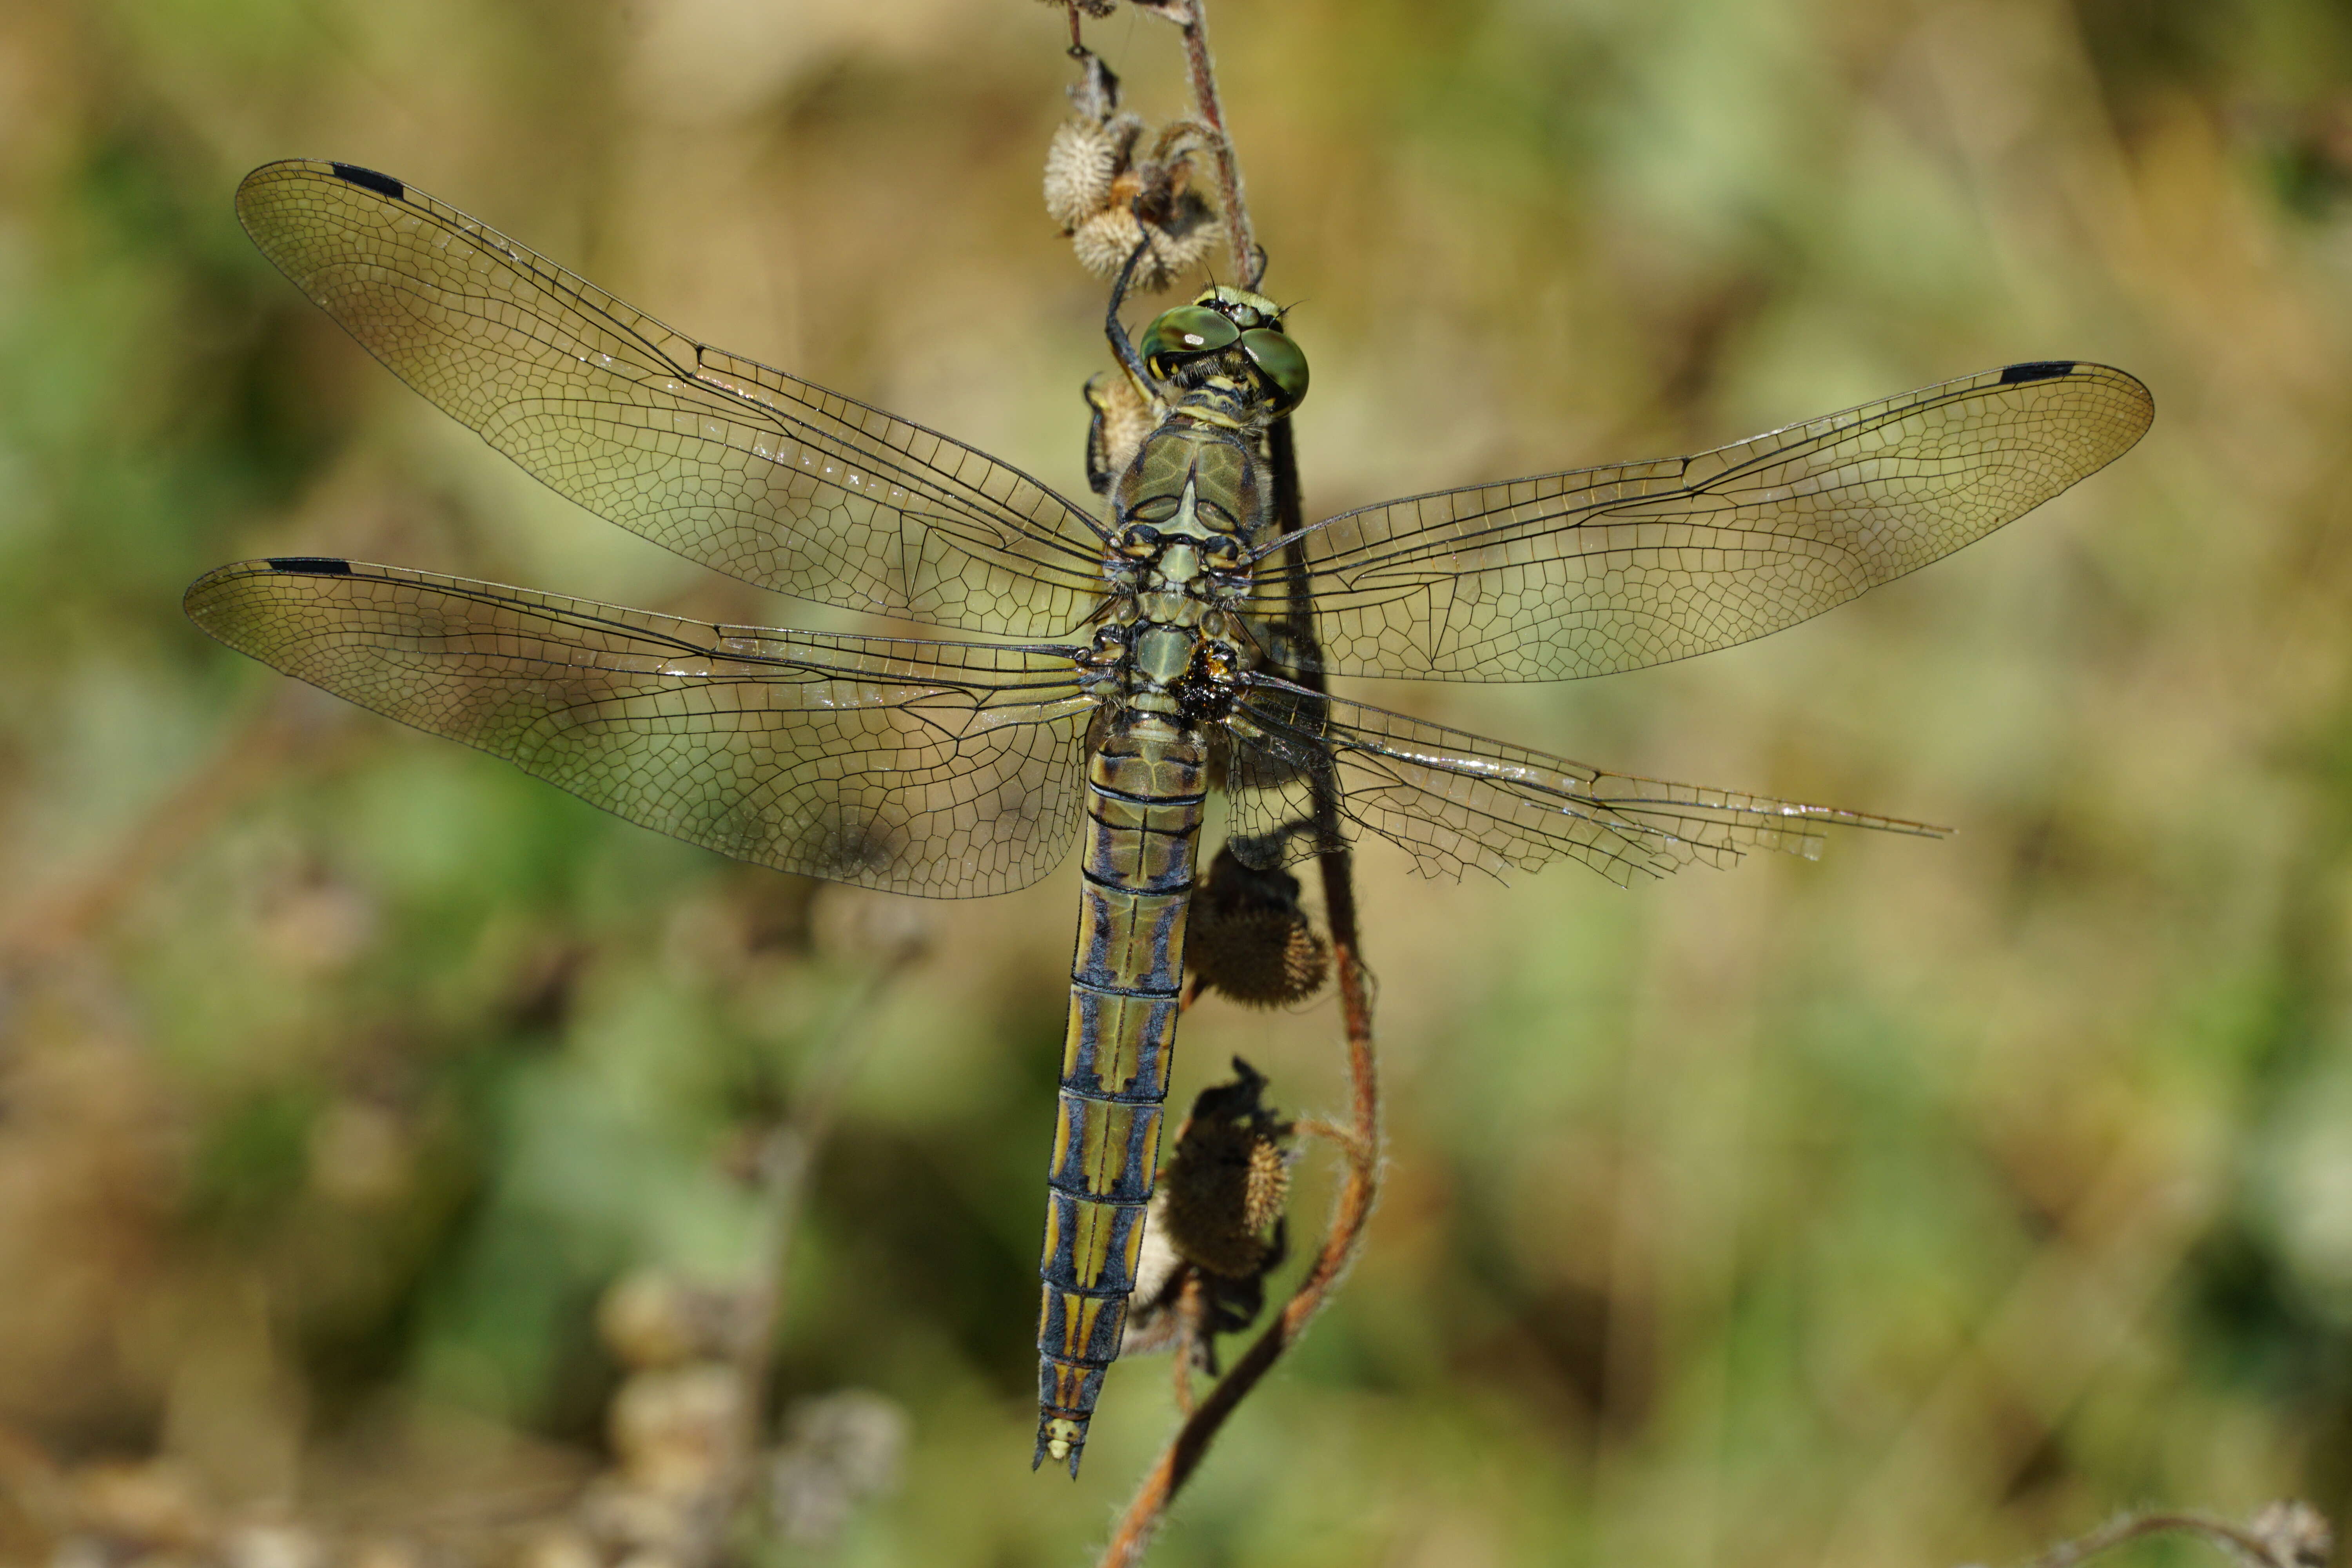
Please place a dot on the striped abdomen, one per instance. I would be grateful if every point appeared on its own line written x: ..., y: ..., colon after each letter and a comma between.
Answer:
x: 1145, y: 784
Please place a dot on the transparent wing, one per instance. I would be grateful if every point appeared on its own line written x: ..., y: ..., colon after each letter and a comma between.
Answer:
x: 949, y: 768
x: 727, y: 462
x: 1608, y: 569
x: 1458, y: 802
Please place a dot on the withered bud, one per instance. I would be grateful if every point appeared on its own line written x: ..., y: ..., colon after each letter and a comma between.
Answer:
x: 1229, y: 1179
x: 1248, y: 938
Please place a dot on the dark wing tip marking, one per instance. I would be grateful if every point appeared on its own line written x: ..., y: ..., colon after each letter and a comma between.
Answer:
x: 382, y: 185
x: 311, y: 565
x: 2036, y: 370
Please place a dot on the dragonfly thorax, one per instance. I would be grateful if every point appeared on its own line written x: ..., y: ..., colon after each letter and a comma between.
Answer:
x: 1194, y: 508
x: 1179, y: 567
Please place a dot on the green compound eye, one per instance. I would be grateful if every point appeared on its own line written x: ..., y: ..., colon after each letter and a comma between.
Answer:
x: 1186, y: 329
x: 1281, y: 361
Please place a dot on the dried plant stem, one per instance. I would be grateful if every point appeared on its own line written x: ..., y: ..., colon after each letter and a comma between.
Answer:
x: 2231, y: 1538
x: 1359, y: 1188
x: 781, y: 1169
x: 1358, y: 1140
x: 1191, y: 19
x: 1316, y: 1127
x: 1189, y: 1313
x: 245, y: 762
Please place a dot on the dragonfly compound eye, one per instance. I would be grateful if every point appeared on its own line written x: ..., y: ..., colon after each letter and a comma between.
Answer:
x: 1280, y: 361
x: 1179, y: 333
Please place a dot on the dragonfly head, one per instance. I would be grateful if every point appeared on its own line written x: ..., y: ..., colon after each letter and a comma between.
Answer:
x: 1227, y: 351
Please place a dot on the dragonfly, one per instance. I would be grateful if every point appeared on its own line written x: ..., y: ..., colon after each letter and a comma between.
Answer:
x: 1173, y: 637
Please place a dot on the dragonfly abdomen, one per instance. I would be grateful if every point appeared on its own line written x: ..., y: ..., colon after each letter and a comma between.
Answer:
x: 1145, y: 788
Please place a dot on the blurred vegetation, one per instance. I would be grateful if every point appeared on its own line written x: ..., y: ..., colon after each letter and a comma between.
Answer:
x: 1918, y: 1205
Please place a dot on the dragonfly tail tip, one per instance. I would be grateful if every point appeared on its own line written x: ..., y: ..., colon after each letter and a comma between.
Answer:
x: 1060, y: 1437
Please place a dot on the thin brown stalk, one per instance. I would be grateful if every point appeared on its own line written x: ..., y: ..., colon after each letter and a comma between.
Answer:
x: 1191, y: 19
x: 781, y: 1169
x: 1332, y: 1132
x: 1358, y: 1140
x: 1359, y: 1188
x: 1191, y: 1309
x: 2235, y: 1539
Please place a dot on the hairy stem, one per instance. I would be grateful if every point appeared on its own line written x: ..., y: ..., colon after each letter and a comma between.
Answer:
x: 1191, y: 19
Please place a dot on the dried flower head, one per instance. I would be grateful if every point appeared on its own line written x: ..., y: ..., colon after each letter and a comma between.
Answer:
x: 1110, y: 196
x: 1248, y: 938
x: 2295, y: 1533
x: 839, y: 1450
x: 670, y: 1429
x: 1229, y: 1179
x: 651, y: 1320
x: 1083, y: 161
x: 1216, y: 1228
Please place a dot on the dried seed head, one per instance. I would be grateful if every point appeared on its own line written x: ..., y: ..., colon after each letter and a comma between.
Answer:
x: 1180, y: 240
x: 1109, y: 194
x: 651, y: 1320
x: 840, y: 1449
x: 670, y: 1429
x: 1248, y: 939
x: 1081, y: 162
x: 1229, y: 1180
x: 2293, y: 1532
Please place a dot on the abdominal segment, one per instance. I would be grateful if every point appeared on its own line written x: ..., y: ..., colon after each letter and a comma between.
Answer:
x: 1144, y: 808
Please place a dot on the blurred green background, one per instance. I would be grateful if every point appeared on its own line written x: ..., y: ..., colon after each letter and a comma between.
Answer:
x: 1911, y: 1207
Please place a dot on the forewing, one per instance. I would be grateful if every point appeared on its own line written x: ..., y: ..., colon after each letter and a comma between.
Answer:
x: 948, y: 769
x: 1608, y: 569
x: 1458, y: 802
x: 727, y: 462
